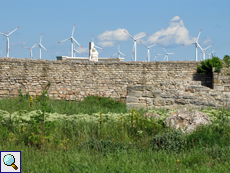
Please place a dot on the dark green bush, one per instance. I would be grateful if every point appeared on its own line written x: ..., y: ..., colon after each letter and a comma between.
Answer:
x: 207, y: 65
x: 172, y: 141
x: 227, y: 60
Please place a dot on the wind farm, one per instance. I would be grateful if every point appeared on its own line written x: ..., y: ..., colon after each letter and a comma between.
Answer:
x: 74, y: 34
x: 92, y: 46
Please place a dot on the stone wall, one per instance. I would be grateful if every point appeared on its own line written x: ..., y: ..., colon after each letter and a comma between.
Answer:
x: 72, y: 80
x: 175, y: 94
x: 221, y: 81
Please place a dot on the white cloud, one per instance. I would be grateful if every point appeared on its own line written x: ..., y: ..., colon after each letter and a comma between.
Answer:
x: 176, y: 33
x: 82, y: 50
x: 208, y: 40
x: 106, y: 43
x: 118, y: 34
x: 175, y: 18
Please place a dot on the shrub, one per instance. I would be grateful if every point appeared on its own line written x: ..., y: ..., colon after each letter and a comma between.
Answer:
x: 207, y: 65
x: 227, y: 60
x: 172, y: 141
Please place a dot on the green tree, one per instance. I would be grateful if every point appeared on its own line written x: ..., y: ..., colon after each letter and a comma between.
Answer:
x: 227, y: 60
x: 207, y: 65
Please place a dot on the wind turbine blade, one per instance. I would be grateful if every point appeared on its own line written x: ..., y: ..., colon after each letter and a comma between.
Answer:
x: 34, y: 45
x: 187, y: 44
x: 141, y: 36
x: 200, y: 47
x: 171, y: 53
x: 41, y: 38
x: 144, y: 45
x: 44, y: 48
x: 13, y: 30
x: 3, y: 34
x: 26, y: 47
x: 77, y: 51
x: 64, y: 40
x: 76, y: 42
x: 123, y: 54
x: 92, y: 38
x: 164, y: 50
x: 114, y: 54
x: 73, y: 30
x: 208, y: 46
x: 213, y: 51
x: 129, y: 35
x: 154, y: 45
x: 99, y: 47
x: 198, y: 36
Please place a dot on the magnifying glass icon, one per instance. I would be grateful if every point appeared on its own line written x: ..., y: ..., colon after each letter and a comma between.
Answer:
x: 9, y: 160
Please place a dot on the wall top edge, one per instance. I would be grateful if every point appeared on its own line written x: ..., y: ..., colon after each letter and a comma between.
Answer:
x: 75, y: 62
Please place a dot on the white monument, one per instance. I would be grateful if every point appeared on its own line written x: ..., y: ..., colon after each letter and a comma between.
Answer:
x: 93, y: 53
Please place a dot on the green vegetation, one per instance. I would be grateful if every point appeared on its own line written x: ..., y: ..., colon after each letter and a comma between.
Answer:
x: 207, y: 65
x: 100, y: 135
x: 227, y: 60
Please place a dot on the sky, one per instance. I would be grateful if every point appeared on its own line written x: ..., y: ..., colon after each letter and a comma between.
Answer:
x: 171, y: 23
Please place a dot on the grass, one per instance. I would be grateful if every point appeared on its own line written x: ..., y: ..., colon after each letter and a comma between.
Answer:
x: 71, y: 136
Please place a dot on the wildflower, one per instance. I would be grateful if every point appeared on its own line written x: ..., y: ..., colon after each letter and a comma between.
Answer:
x: 88, y: 94
x: 31, y: 101
x: 120, y: 117
x: 102, y: 95
x: 96, y: 95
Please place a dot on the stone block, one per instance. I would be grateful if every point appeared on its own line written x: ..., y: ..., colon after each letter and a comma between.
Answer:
x: 135, y: 105
x: 158, y: 101
x: 147, y: 93
x: 4, y: 92
x: 181, y: 101
x: 131, y: 99
x: 135, y: 93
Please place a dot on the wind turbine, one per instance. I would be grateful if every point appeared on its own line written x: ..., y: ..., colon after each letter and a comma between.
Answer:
x: 196, y: 43
x: 135, y: 44
x: 41, y: 46
x: 8, y: 41
x: 156, y: 55
x: 148, y: 47
x: 94, y: 44
x: 30, y: 48
x: 72, y: 41
x: 203, y: 50
x: 166, y: 54
x: 210, y: 54
x: 119, y: 52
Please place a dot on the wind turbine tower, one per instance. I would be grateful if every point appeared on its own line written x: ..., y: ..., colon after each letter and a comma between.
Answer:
x: 148, y: 47
x: 195, y: 43
x: 8, y: 41
x: 166, y: 54
x: 40, y: 47
x: 135, y: 44
x: 30, y: 48
x: 119, y: 52
x: 72, y: 41
x: 155, y: 58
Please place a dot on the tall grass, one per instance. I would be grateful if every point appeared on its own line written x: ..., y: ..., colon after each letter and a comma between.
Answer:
x: 108, y: 138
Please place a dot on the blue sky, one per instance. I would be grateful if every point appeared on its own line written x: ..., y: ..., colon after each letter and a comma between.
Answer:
x: 169, y: 22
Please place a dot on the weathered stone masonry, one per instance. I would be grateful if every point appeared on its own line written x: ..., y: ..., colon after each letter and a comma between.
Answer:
x: 72, y: 80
